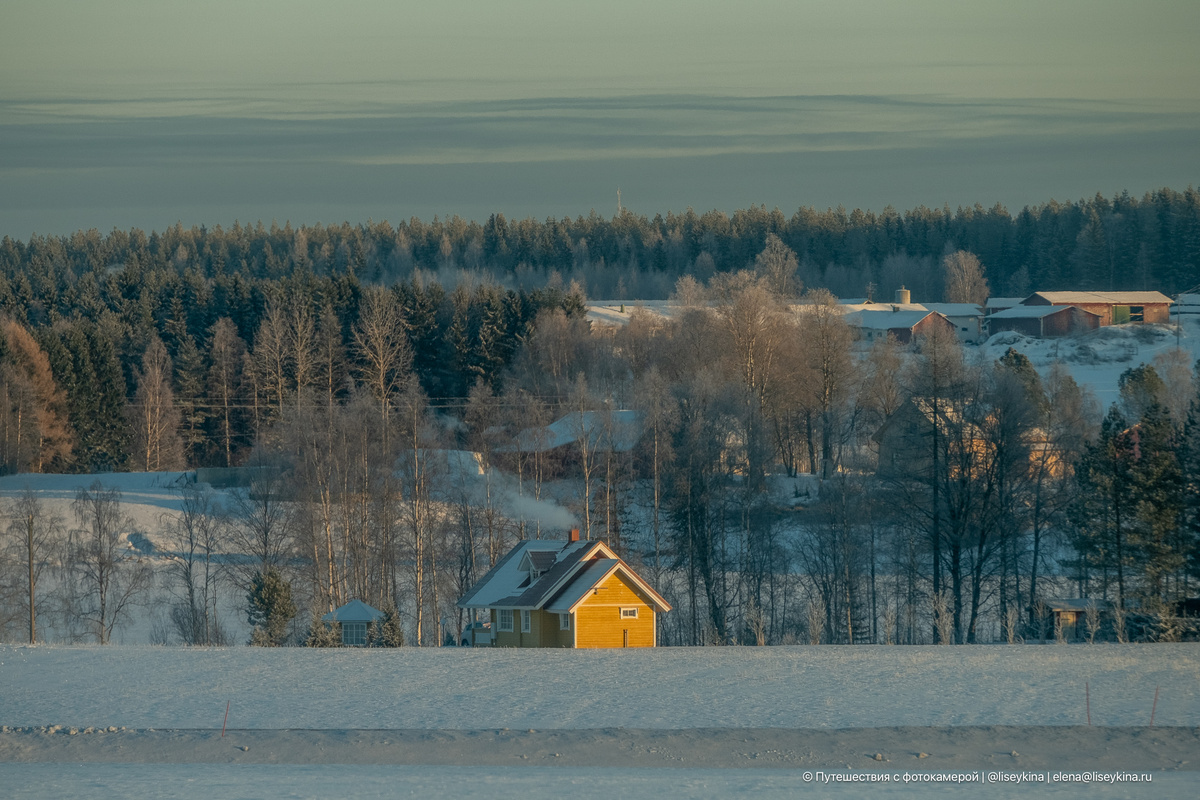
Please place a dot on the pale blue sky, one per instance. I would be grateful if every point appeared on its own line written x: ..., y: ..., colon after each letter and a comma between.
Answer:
x: 140, y: 113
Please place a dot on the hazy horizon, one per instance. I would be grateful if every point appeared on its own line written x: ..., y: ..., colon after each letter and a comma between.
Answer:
x: 133, y: 114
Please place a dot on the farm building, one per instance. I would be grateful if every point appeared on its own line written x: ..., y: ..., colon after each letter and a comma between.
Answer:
x: 355, y: 618
x: 1043, y: 322
x: 965, y: 317
x: 579, y: 594
x: 1113, y: 308
x: 880, y: 320
x: 995, y: 304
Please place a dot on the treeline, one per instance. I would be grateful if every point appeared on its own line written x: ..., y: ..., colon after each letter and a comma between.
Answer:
x: 1123, y: 242
x: 155, y: 369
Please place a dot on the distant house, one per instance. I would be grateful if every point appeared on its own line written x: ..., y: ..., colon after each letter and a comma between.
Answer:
x: 1113, y: 308
x: 906, y: 437
x: 965, y: 317
x: 880, y: 321
x: 355, y: 618
x: 578, y: 594
x: 1042, y: 322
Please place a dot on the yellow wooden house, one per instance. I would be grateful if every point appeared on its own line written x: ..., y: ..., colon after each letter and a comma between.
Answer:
x: 554, y: 593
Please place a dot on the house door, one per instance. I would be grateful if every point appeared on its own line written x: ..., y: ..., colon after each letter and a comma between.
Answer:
x: 626, y: 641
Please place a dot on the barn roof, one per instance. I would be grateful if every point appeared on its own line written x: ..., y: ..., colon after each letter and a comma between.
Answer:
x: 1107, y: 298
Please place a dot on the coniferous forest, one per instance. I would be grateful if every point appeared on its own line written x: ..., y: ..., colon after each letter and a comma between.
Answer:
x: 335, y: 353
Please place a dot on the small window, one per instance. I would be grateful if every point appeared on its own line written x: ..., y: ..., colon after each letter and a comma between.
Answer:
x: 525, y: 621
x: 629, y: 613
x: 506, y: 619
x: 564, y: 622
x: 354, y: 634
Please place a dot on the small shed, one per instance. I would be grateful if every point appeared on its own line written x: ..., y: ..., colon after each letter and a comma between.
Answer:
x: 1043, y: 322
x: 355, y: 618
x: 1071, y: 614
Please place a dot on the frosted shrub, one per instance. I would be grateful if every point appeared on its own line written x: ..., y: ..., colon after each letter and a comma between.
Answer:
x: 943, y: 618
x: 1091, y: 620
x: 1119, y: 623
x: 816, y: 620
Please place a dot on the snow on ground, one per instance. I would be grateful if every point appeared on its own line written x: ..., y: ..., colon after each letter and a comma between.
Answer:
x: 1097, y: 359
x: 667, y: 688
x: 674, y: 722
x: 206, y: 781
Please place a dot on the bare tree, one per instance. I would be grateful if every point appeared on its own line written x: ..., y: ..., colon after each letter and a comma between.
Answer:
x: 269, y: 361
x: 777, y: 263
x: 197, y: 535
x: 153, y: 415
x: 227, y: 355
x: 382, y: 347
x: 103, y: 581
x: 964, y: 278
x: 34, y: 535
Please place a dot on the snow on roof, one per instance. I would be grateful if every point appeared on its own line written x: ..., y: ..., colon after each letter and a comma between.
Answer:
x: 505, y: 579
x: 956, y: 309
x: 1032, y: 312
x: 1114, y: 298
x: 1003, y: 302
x: 886, y: 319
x: 573, y: 573
x: 625, y: 431
x: 850, y: 308
x: 354, y: 611
x: 596, y: 571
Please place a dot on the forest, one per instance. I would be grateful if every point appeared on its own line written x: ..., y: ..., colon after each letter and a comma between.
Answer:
x: 333, y: 365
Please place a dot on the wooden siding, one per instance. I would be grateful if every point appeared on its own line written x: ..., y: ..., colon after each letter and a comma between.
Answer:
x: 543, y: 631
x: 599, y: 618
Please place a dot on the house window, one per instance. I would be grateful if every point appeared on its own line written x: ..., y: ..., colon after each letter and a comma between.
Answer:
x: 525, y: 621
x: 354, y: 634
x: 1137, y: 313
x: 506, y: 619
x: 564, y: 622
x: 629, y: 613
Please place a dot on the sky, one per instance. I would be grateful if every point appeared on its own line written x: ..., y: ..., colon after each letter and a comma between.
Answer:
x: 141, y: 114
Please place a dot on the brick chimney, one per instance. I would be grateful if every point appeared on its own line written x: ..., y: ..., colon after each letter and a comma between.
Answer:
x: 574, y: 536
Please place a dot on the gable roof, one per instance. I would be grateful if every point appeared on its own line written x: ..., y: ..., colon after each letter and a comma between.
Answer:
x: 572, y: 570
x: 956, y: 309
x: 354, y: 611
x: 1035, y: 312
x: 623, y: 428
x: 1106, y: 298
x: 887, y: 320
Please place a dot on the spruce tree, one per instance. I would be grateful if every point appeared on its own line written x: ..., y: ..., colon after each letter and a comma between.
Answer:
x: 271, y: 608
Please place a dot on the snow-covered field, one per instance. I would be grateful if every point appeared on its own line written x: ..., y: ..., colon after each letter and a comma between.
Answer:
x: 667, y: 688
x: 671, y: 722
